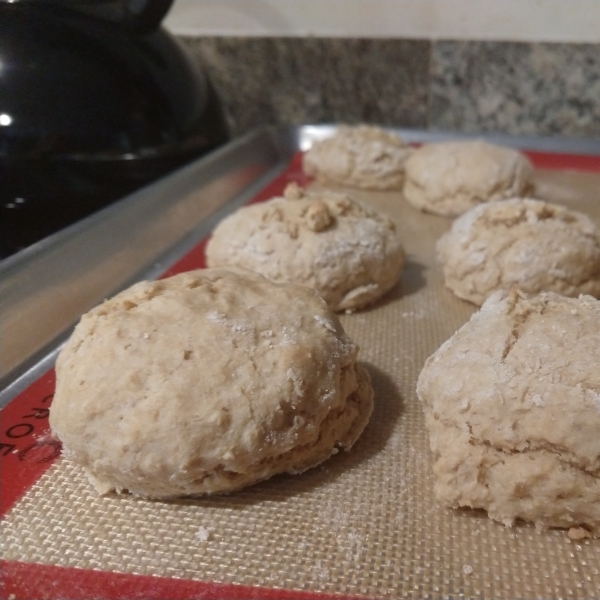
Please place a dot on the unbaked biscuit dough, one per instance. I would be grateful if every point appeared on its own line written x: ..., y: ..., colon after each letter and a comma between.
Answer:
x: 529, y: 243
x: 348, y: 252
x: 362, y: 156
x: 512, y: 405
x: 207, y: 382
x: 449, y: 178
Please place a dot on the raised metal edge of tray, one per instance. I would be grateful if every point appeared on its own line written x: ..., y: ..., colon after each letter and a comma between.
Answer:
x: 47, y: 287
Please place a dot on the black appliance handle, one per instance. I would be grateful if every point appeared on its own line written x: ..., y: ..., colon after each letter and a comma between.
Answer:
x: 137, y: 16
x: 144, y: 16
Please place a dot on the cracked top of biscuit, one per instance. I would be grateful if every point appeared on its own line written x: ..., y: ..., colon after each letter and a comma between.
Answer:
x: 523, y: 375
x: 512, y: 405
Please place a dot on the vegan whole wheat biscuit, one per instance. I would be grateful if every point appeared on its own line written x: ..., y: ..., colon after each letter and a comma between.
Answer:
x: 449, y: 178
x: 512, y: 405
x: 350, y: 253
x: 529, y: 243
x: 361, y: 156
x: 207, y: 382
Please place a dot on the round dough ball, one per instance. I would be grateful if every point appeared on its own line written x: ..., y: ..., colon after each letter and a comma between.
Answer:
x: 512, y: 405
x: 529, y: 243
x: 349, y: 253
x: 362, y: 156
x: 207, y: 382
x: 449, y: 178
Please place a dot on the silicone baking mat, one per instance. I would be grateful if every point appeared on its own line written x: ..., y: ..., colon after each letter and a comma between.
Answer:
x: 363, y: 524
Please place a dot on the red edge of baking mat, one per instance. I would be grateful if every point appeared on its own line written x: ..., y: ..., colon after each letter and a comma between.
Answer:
x: 27, y: 452
x: 564, y: 162
x: 45, y: 582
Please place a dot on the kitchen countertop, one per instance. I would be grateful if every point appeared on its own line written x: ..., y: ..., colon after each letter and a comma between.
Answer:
x: 508, y: 87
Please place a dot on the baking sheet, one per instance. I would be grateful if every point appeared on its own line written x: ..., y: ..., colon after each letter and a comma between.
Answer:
x: 365, y: 523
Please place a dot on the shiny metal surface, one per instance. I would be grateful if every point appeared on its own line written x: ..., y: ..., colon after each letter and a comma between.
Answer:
x: 45, y: 288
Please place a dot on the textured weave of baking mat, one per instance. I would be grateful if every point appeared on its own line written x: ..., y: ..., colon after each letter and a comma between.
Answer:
x: 364, y: 523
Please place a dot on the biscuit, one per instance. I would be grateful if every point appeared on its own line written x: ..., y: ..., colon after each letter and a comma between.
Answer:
x: 529, y: 243
x: 361, y: 156
x: 349, y: 253
x: 207, y: 382
x: 512, y: 405
x: 449, y: 178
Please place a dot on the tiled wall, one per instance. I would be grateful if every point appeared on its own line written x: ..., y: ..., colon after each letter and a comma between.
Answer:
x: 518, y: 88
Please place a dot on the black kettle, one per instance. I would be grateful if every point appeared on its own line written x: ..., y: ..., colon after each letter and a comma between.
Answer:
x: 96, y: 101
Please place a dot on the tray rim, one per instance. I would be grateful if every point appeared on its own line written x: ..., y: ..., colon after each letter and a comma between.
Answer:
x: 266, y: 148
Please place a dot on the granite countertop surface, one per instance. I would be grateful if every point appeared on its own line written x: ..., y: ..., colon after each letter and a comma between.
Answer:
x: 516, y: 88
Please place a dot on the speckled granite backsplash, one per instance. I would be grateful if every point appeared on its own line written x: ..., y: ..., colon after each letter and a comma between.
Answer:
x: 517, y: 88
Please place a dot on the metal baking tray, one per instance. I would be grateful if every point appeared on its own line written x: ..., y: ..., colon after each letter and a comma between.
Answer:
x: 45, y: 288
x: 364, y: 524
